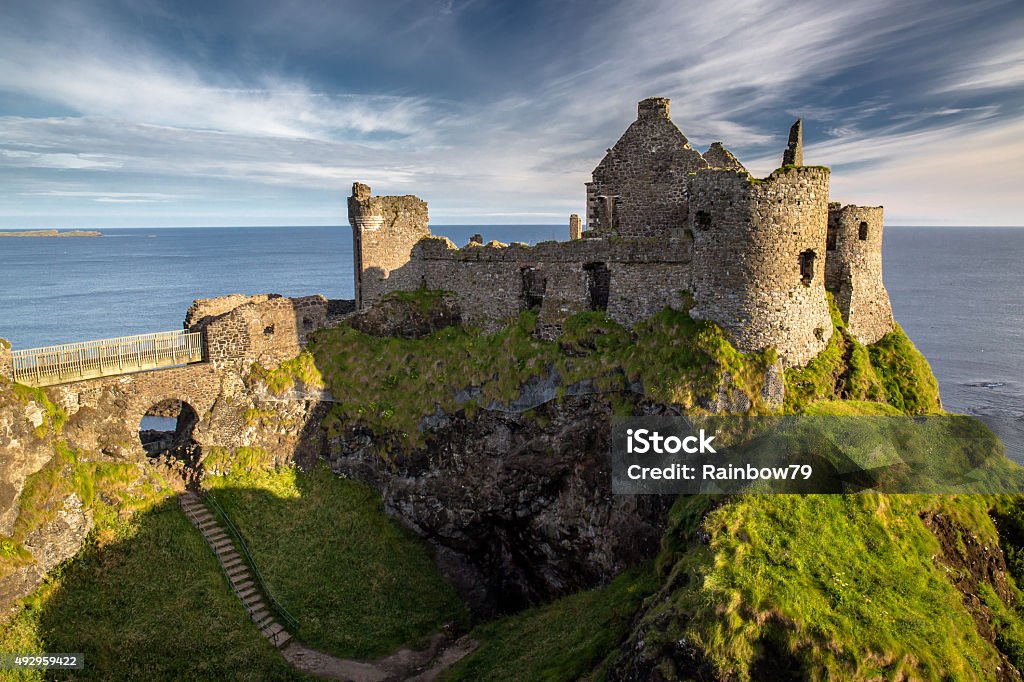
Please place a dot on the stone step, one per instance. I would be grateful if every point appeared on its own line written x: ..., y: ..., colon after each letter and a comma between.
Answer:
x: 271, y: 630
x: 281, y: 639
x: 260, y: 615
x: 242, y: 587
x: 253, y: 604
x: 238, y: 574
x: 247, y: 592
x: 229, y: 557
x: 220, y: 543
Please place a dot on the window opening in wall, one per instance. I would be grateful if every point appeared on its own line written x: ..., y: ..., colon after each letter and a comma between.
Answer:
x: 830, y: 239
x: 807, y: 267
x: 534, y: 285
x: 598, y: 283
x: 702, y: 220
x: 862, y: 232
x: 268, y: 330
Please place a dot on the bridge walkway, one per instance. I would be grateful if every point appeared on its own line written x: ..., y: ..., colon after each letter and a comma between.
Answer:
x: 51, y: 365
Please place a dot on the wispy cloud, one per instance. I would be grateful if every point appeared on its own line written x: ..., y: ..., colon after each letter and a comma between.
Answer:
x: 413, y: 100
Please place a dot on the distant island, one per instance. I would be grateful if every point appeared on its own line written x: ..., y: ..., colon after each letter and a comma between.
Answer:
x: 52, y: 233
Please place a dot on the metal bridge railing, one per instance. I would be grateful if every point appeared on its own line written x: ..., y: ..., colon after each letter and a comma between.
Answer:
x: 106, y: 357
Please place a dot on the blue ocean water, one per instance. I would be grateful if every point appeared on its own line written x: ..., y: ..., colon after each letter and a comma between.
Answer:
x: 956, y: 291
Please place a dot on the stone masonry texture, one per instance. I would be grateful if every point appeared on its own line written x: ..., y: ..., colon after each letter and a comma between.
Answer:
x: 853, y: 270
x: 639, y: 188
x: 664, y: 224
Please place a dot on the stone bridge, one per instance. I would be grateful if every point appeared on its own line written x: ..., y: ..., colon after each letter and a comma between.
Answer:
x: 202, y: 368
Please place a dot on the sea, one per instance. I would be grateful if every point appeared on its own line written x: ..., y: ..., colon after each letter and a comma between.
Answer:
x: 958, y: 292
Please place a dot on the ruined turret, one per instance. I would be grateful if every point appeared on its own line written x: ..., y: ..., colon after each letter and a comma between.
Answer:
x: 853, y: 270
x: 384, y: 230
x: 758, y: 259
x: 794, y: 154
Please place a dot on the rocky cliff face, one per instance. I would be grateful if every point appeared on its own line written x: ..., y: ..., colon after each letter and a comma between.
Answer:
x: 36, y: 536
x: 517, y: 505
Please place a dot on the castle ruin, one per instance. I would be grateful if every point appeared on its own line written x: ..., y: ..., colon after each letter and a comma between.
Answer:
x: 665, y: 226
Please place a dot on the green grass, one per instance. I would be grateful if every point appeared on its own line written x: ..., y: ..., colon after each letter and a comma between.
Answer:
x: 563, y: 640
x: 390, y: 384
x: 891, y: 371
x: 359, y: 584
x: 909, y: 383
x: 845, y: 585
x: 145, y: 600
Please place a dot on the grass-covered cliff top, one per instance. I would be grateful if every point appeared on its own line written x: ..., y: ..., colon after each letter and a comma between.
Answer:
x: 390, y: 384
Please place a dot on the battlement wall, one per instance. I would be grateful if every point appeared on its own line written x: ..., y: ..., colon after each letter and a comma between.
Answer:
x: 758, y: 258
x: 853, y: 270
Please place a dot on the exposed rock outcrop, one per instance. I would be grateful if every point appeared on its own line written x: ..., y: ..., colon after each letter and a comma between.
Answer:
x: 517, y: 505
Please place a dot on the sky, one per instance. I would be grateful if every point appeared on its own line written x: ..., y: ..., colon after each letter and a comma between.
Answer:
x: 264, y: 112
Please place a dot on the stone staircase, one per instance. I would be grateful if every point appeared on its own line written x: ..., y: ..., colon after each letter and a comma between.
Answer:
x: 234, y: 567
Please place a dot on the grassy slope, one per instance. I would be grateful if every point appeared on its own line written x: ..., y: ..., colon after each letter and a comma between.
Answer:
x: 843, y: 586
x: 146, y: 600
x: 359, y: 584
x: 563, y: 640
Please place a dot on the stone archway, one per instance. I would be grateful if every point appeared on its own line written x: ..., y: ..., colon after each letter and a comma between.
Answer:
x: 166, y: 431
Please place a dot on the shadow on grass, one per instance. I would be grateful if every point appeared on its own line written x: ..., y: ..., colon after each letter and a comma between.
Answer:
x: 145, y: 600
x: 358, y: 583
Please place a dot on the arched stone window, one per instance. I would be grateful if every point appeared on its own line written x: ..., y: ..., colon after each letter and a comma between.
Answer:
x: 862, y: 232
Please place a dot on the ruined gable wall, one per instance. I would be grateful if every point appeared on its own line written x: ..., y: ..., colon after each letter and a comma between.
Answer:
x: 643, y: 276
x: 718, y: 156
x: 384, y: 230
x: 853, y: 270
x: 748, y: 240
x: 264, y: 329
x: 643, y: 178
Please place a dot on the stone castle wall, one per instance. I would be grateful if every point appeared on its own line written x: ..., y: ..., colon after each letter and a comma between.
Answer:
x: 853, y: 270
x: 384, y: 230
x: 265, y: 329
x: 639, y: 188
x: 663, y: 222
x: 758, y: 252
x: 631, y: 280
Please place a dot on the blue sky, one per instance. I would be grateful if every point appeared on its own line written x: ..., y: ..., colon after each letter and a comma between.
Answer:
x: 151, y: 113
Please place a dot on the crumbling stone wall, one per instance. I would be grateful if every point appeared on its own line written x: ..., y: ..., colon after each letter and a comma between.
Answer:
x: 853, y: 270
x: 493, y: 283
x: 384, y: 230
x: 265, y: 329
x: 718, y: 156
x: 758, y: 258
x: 639, y: 188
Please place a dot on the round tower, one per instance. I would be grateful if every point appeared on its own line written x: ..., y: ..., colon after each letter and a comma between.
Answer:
x: 853, y: 270
x: 759, y: 258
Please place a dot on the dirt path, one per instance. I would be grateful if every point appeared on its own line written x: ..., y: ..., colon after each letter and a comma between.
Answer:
x: 403, y: 665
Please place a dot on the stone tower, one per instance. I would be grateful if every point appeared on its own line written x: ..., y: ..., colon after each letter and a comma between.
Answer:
x: 384, y: 230
x: 758, y: 258
x: 853, y: 270
x: 639, y: 188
